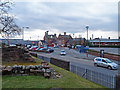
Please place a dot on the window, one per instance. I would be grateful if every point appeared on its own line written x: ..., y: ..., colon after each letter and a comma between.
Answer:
x: 104, y: 61
x: 98, y: 59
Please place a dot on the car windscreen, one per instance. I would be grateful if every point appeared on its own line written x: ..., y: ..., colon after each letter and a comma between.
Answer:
x: 108, y: 61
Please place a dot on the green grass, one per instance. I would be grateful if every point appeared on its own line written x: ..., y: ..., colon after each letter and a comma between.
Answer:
x: 68, y: 80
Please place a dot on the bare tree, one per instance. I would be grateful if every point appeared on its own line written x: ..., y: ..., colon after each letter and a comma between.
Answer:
x: 8, y: 26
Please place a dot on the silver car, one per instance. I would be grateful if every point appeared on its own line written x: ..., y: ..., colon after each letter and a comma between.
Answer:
x: 62, y: 52
x: 104, y: 62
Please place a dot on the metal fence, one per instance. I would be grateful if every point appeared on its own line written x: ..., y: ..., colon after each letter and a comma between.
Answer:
x: 96, y: 77
x: 106, y: 80
x: 44, y: 58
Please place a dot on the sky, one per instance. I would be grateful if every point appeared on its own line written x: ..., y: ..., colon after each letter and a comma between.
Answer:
x: 67, y: 16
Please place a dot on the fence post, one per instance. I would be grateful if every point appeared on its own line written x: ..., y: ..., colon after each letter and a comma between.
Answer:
x: 118, y: 81
x: 86, y: 73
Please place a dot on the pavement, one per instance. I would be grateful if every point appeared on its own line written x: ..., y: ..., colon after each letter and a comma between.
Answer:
x: 78, y: 59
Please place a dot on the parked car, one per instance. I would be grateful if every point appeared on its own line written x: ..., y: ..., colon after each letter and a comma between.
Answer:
x: 104, y: 62
x: 62, y: 52
x: 12, y: 45
x: 28, y: 46
x: 50, y: 50
x: 56, y: 46
x: 33, y: 48
x: 38, y: 48
x: 47, y: 50
x: 42, y: 49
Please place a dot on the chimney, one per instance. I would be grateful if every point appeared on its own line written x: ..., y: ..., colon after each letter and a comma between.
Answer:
x: 55, y: 34
x: 90, y: 38
x: 64, y: 33
x: 108, y: 37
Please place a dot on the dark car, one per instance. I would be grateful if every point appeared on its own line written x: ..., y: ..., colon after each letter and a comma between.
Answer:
x: 50, y: 50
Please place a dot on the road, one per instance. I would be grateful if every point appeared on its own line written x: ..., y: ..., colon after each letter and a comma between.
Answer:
x: 78, y: 59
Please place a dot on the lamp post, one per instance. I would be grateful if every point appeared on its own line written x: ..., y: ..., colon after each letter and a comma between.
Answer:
x: 87, y: 39
x: 73, y: 40
x: 23, y: 32
x: 8, y: 40
x: 47, y: 39
x: 99, y: 43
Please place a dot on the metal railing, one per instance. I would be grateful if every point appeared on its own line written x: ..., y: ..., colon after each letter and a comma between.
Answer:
x: 103, y: 79
x: 96, y: 77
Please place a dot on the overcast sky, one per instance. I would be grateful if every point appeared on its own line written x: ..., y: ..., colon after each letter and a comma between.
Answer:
x: 71, y: 17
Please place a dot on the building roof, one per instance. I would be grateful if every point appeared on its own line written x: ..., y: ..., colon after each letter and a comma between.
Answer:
x: 78, y: 39
x: 51, y: 36
x: 65, y: 36
x: 13, y: 41
x: 20, y: 41
x: 105, y: 40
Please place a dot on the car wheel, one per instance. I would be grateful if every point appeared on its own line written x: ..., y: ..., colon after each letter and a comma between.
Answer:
x: 95, y: 64
x: 109, y: 67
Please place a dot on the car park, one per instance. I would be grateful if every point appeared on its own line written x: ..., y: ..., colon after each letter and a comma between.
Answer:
x: 104, y: 62
x: 62, y: 52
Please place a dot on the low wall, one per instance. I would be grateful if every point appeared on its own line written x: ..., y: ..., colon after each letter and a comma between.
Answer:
x: 110, y: 56
x: 33, y: 54
x: 60, y: 63
x: 15, y: 54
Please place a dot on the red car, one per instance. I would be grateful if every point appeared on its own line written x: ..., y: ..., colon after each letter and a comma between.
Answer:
x: 33, y: 48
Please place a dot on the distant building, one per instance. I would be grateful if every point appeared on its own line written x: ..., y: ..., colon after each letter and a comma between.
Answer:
x: 52, y: 39
x: 64, y: 39
x: 31, y: 42
x: 105, y: 41
x: 23, y: 42
x: 13, y: 41
x: 78, y: 41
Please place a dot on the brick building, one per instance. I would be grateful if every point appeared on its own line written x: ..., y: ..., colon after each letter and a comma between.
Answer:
x: 78, y: 41
x: 64, y: 39
x: 52, y: 39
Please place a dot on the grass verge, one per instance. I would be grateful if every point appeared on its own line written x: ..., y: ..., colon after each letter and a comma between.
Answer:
x: 68, y: 80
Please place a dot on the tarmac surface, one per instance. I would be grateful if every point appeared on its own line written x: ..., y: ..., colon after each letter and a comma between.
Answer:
x: 78, y: 59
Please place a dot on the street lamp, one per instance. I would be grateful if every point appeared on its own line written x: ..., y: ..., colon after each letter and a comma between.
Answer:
x: 99, y: 43
x: 87, y: 39
x: 47, y: 39
x: 23, y: 31
x: 73, y: 40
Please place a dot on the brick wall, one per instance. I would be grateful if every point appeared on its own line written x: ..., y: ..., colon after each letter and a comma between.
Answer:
x: 16, y: 54
x: 60, y: 63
